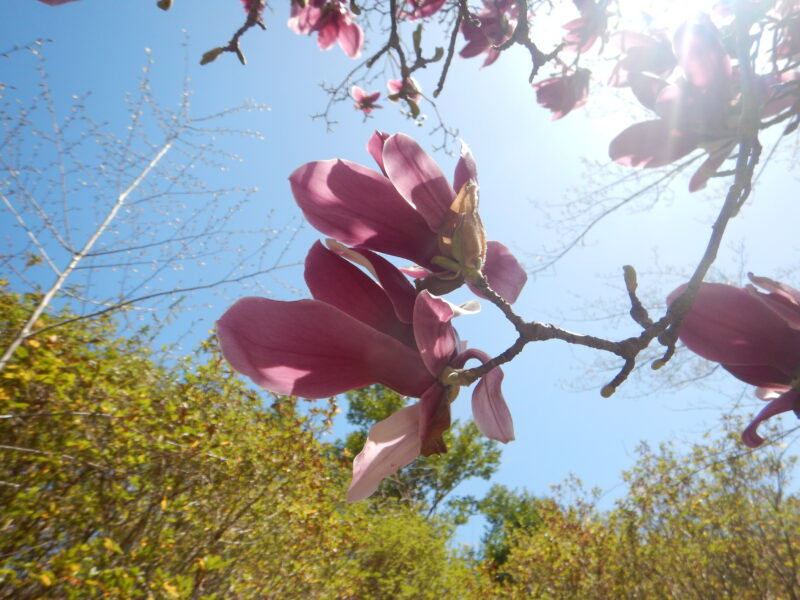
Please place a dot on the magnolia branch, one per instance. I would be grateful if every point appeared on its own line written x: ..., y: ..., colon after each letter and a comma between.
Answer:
x: 666, y: 328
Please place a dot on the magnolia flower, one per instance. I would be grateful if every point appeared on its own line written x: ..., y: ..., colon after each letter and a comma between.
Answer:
x: 332, y: 22
x: 560, y: 95
x: 364, y: 102
x: 753, y: 335
x: 584, y: 31
x: 410, y: 90
x: 55, y: 2
x: 495, y: 25
x: 420, y: 9
x: 358, y: 331
x: 696, y: 111
x: 405, y: 210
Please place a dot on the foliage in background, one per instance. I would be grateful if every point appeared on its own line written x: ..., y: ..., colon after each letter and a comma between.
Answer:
x: 124, y: 479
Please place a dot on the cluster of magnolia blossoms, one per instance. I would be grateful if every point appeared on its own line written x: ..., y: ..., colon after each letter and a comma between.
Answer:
x: 367, y: 323
x: 753, y: 335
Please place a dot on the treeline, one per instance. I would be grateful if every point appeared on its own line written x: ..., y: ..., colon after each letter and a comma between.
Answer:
x: 123, y: 478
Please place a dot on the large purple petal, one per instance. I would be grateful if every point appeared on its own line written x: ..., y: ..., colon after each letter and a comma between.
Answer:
x: 391, y: 445
x: 503, y: 272
x: 334, y: 280
x: 359, y: 207
x: 435, y: 336
x: 311, y: 349
x: 784, y: 403
x: 418, y: 179
x: 728, y: 325
x: 650, y: 144
x: 489, y: 408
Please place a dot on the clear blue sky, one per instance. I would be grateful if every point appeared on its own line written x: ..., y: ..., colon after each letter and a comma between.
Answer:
x: 526, y: 163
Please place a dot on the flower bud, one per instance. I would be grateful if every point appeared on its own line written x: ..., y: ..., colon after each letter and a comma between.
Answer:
x: 461, y: 236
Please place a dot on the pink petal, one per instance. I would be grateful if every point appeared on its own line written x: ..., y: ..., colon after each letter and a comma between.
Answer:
x: 489, y: 408
x: 503, y: 272
x: 707, y: 169
x: 764, y: 376
x: 326, y: 35
x: 335, y: 281
x: 434, y: 333
x: 728, y: 325
x: 360, y: 207
x: 650, y: 144
x: 784, y: 403
x: 357, y: 93
x: 351, y: 39
x: 311, y: 349
x: 375, y: 147
x: 395, y: 286
x: 466, y: 169
x: 391, y: 445
x: 434, y: 419
x: 418, y: 179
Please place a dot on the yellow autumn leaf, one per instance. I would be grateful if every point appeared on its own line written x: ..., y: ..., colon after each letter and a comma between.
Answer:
x: 111, y: 546
x: 171, y: 590
x: 34, y: 343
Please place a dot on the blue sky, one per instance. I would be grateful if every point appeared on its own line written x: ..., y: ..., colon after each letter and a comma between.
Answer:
x: 527, y: 166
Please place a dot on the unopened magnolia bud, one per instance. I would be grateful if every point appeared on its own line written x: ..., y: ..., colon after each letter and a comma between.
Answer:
x: 164, y: 4
x: 630, y: 277
x: 608, y: 391
x: 461, y: 236
x: 211, y: 55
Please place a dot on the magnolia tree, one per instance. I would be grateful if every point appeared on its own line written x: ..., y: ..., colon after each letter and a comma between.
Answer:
x: 713, y: 85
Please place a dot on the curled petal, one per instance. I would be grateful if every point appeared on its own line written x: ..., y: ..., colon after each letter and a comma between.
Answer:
x: 311, y: 349
x: 763, y: 376
x: 360, y: 207
x: 783, y: 403
x: 391, y: 445
x: 418, y: 179
x: 435, y: 336
x: 335, y: 281
x: 375, y: 147
x: 327, y: 35
x: 503, y: 272
x: 489, y: 408
x: 397, y: 288
x: 646, y: 88
x: 783, y: 299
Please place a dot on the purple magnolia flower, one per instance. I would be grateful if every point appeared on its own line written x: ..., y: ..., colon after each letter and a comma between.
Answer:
x: 401, y: 210
x: 332, y: 22
x: 55, y: 2
x: 364, y: 101
x: 560, y: 95
x: 358, y: 331
x: 410, y: 90
x: 497, y: 22
x: 753, y: 335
